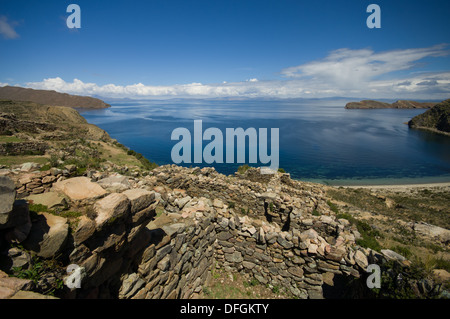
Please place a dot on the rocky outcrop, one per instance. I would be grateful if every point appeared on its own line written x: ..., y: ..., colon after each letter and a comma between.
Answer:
x: 46, y: 122
x: 401, y: 104
x: 437, y: 119
x: 50, y: 98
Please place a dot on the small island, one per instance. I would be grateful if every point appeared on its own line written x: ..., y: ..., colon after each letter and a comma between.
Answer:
x: 401, y: 104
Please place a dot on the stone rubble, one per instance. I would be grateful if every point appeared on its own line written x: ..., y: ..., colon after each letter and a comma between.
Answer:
x: 268, y: 227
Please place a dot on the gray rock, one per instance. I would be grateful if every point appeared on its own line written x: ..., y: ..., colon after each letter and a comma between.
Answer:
x: 361, y: 259
x: 48, y: 235
x: 285, y: 243
x: 432, y: 231
x: 130, y: 285
x: 217, y: 203
x: 224, y: 222
x: 85, y: 229
x: 261, y: 279
x: 173, y: 228
x: 79, y: 188
x: 181, y: 202
x: 139, y: 199
x: 110, y: 208
x: 26, y: 167
x: 235, y: 257
x: 7, y: 196
x: 115, y: 183
x: 248, y: 264
x: 271, y: 237
x: 49, y: 199
x: 296, y: 271
x: 224, y: 235
x: 392, y: 255
x: 164, y: 263
x: 15, y: 257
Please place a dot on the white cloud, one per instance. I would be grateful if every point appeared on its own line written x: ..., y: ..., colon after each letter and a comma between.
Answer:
x: 7, y: 29
x: 349, y: 69
x: 344, y: 72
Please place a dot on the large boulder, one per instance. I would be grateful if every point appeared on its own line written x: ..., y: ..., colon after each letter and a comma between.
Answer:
x: 435, y: 232
x: 7, y: 197
x: 139, y: 199
x: 115, y: 183
x: 85, y: 229
x: 49, y: 199
x: 79, y: 188
x: 48, y: 235
x: 110, y: 208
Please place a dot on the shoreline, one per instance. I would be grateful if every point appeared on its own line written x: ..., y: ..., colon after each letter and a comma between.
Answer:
x: 387, y: 184
x: 399, y: 187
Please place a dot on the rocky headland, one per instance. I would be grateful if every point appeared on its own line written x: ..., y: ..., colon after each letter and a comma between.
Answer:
x: 85, y: 217
x: 436, y: 119
x: 401, y: 104
x: 51, y: 98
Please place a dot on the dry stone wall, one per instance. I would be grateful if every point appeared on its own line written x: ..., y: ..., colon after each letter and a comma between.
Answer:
x: 264, y: 231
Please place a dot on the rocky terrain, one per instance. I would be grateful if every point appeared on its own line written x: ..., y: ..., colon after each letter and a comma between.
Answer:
x: 85, y: 217
x: 163, y: 233
x: 401, y: 104
x: 52, y: 98
x: 436, y: 119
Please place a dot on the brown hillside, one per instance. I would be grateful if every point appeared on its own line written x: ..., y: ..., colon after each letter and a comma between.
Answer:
x: 52, y: 98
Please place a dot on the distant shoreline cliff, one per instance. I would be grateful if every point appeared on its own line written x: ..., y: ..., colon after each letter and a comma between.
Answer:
x: 51, y: 98
x: 401, y: 104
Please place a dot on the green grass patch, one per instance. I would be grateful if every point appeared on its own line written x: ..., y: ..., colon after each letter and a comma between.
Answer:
x: 333, y: 207
x: 367, y: 232
x: 38, y: 208
x: 37, y: 269
x: 243, y: 168
x: 20, y: 159
x: 315, y: 212
x: 441, y: 263
x: 9, y: 139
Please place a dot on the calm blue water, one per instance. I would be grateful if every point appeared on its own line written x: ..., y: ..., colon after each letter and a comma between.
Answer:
x: 319, y: 140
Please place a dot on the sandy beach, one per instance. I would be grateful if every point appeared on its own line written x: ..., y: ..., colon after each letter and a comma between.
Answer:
x: 405, y: 187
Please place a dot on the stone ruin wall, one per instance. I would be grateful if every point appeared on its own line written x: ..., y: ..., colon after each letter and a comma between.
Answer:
x: 277, y: 240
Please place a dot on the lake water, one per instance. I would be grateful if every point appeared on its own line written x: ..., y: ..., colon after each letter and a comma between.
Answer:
x: 319, y: 140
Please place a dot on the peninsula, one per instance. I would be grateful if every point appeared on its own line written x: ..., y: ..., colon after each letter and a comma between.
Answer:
x: 436, y: 119
x: 401, y: 104
x: 51, y: 98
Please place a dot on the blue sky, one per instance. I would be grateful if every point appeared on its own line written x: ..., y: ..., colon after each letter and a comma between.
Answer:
x: 158, y: 49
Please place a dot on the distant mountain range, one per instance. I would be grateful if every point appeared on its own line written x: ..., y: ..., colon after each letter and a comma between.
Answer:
x: 401, y: 104
x: 52, y: 98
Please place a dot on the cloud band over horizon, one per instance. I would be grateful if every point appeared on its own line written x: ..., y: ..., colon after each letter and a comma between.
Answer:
x: 344, y: 72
